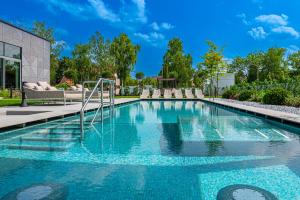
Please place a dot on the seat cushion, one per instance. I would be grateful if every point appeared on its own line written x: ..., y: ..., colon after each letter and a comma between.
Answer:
x: 51, y: 88
x: 38, y: 88
x: 30, y: 85
x: 43, y: 84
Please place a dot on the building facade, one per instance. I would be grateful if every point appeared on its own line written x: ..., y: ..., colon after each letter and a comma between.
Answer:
x: 23, y: 57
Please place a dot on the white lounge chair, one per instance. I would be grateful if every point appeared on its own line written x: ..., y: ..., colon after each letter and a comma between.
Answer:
x: 167, y: 94
x: 199, y: 94
x: 189, y: 94
x: 145, y: 94
x: 156, y: 94
x: 178, y: 94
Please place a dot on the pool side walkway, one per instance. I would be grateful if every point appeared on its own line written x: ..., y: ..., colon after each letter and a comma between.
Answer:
x: 47, y: 112
x: 283, y: 117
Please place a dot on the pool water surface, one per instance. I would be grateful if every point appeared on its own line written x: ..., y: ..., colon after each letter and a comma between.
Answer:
x: 154, y: 150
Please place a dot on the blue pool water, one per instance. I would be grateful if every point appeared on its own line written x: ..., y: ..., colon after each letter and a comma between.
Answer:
x: 154, y: 150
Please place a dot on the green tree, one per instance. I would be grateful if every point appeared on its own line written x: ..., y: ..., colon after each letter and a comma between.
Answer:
x: 254, y: 62
x: 274, y: 65
x: 213, y: 59
x: 294, y: 62
x: 81, y: 57
x: 139, y: 75
x: 125, y: 53
x: 177, y: 64
x: 239, y: 67
x: 66, y: 68
x: 101, y: 55
x: 200, y: 76
x: 40, y: 29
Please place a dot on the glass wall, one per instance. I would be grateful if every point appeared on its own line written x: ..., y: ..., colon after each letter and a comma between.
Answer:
x: 12, y: 51
x: 1, y: 74
x: 10, y: 66
x: 12, y: 74
x: 1, y: 49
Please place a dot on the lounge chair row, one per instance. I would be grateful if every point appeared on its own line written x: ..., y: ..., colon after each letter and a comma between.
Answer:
x: 168, y: 94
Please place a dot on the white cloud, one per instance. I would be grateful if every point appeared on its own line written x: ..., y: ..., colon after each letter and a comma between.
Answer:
x: 103, y: 11
x: 286, y: 30
x: 167, y: 26
x: 243, y: 17
x: 163, y: 26
x: 258, y: 33
x: 276, y: 20
x: 141, y: 7
x: 153, y: 38
x: 155, y: 26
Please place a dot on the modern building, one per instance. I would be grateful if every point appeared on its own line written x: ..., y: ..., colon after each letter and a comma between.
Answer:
x: 24, y: 56
x: 224, y: 80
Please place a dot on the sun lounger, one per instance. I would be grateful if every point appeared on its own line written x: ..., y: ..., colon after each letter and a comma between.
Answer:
x: 199, y: 94
x: 178, y: 94
x: 145, y: 94
x: 167, y: 94
x: 156, y: 94
x: 189, y: 94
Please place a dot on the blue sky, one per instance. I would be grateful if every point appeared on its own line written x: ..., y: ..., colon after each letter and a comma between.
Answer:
x: 240, y: 26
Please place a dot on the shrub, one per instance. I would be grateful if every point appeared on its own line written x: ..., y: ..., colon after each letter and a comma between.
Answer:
x: 136, y: 91
x: 126, y: 91
x: 258, y: 96
x: 230, y: 93
x: 293, y: 101
x: 245, y: 95
x: 4, y: 93
x: 64, y: 86
x: 276, y: 96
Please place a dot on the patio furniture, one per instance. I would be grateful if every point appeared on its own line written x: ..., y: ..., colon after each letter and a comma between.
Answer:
x: 199, y: 94
x: 167, y: 94
x: 145, y: 94
x: 43, y: 91
x: 189, y: 94
x: 178, y: 94
x: 156, y: 94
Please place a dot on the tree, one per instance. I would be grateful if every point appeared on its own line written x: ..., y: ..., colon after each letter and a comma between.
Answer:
x: 101, y: 55
x: 81, y: 56
x: 177, y: 64
x: 200, y: 77
x: 125, y: 53
x: 274, y: 65
x: 294, y: 62
x: 66, y: 68
x: 40, y: 29
x: 239, y: 67
x: 212, y: 61
x: 139, y: 75
x: 254, y: 62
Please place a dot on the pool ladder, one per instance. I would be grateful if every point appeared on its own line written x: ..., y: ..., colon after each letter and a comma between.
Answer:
x: 85, y: 102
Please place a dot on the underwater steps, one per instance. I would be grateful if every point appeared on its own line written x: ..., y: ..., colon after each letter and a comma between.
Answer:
x: 57, y: 136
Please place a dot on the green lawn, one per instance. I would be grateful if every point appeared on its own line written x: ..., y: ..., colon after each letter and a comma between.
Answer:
x: 16, y: 102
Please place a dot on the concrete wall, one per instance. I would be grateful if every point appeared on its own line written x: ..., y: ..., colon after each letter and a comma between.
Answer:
x: 35, y: 52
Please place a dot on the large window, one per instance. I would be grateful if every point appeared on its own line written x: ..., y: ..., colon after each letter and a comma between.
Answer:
x: 1, y: 74
x: 10, y: 66
x: 1, y: 49
x: 12, y: 51
x: 12, y: 74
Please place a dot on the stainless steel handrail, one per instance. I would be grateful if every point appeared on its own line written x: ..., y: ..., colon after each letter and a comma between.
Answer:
x: 85, y: 102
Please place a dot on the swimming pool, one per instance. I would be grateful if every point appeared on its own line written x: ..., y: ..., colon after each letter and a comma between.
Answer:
x: 154, y: 150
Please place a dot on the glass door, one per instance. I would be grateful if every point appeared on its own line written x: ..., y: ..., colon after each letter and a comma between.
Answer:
x: 12, y: 74
x: 1, y: 74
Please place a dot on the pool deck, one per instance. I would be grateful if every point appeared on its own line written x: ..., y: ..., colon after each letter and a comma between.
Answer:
x: 283, y: 117
x: 46, y: 112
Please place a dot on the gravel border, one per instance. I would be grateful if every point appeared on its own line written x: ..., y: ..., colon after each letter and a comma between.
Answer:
x: 286, y: 109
